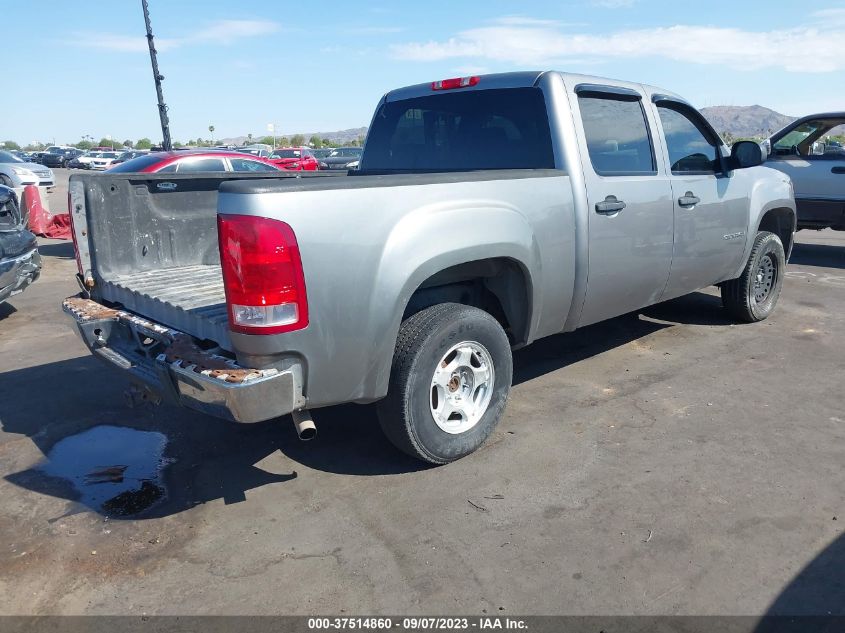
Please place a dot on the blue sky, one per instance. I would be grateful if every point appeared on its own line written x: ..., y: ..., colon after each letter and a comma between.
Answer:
x: 316, y: 66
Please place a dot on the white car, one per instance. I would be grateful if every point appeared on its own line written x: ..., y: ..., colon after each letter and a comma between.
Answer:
x: 15, y: 172
x: 104, y: 160
x: 84, y: 161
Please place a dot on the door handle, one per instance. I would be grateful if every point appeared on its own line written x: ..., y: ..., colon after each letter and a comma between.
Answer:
x: 609, y: 205
x: 838, y: 170
x: 688, y: 200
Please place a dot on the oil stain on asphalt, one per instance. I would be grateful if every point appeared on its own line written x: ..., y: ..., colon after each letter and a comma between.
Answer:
x: 115, y: 470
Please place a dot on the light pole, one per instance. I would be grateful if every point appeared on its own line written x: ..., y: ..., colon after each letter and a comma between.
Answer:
x: 271, y: 127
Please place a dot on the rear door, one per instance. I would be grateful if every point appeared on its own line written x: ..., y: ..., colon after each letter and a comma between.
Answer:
x: 629, y: 202
x: 711, y: 206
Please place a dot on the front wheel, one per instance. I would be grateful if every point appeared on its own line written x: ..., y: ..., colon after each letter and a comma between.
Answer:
x: 752, y: 296
x: 449, y: 382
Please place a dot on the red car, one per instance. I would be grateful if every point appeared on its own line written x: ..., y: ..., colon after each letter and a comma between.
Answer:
x: 189, y: 161
x: 295, y: 159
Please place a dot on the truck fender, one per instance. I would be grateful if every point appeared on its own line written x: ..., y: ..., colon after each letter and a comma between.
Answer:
x: 767, y: 194
x: 434, y: 238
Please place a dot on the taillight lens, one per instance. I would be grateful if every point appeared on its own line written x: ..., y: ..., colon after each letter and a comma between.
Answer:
x: 457, y: 82
x: 262, y: 275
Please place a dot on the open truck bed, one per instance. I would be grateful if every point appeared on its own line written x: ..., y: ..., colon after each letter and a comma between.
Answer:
x: 156, y: 246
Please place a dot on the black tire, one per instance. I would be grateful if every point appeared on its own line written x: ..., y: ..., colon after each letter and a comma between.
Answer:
x: 424, y: 338
x: 748, y: 298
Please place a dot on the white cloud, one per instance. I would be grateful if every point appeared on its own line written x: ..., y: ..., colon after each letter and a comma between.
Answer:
x: 374, y: 30
x: 222, y: 32
x: 802, y: 49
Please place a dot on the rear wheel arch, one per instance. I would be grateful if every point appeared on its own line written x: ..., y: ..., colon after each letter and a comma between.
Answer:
x: 501, y: 286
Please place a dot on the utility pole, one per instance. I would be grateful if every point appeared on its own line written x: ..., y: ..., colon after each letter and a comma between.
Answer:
x: 158, y: 77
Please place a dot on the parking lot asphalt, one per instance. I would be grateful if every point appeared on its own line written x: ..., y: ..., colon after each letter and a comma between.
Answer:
x: 665, y: 462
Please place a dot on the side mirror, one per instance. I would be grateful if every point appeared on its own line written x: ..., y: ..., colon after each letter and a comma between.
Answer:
x: 6, y: 195
x: 818, y: 149
x: 746, y: 154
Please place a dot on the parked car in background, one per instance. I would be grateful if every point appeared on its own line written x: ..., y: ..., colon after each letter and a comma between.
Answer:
x: 16, y: 173
x: 320, y: 154
x: 24, y: 156
x: 129, y: 155
x: 343, y: 158
x: 294, y: 159
x: 195, y: 161
x: 60, y: 156
x: 84, y: 160
x: 35, y: 157
x: 255, y: 151
x: 103, y: 160
x: 539, y: 203
x: 817, y: 172
x: 20, y: 263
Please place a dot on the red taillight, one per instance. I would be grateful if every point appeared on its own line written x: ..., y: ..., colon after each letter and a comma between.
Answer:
x: 262, y: 275
x: 73, y: 235
x: 457, y: 82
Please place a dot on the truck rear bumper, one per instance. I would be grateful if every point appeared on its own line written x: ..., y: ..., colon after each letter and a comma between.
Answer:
x: 174, y: 366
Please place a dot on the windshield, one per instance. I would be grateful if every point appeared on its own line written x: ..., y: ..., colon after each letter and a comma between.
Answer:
x: 345, y: 152
x: 477, y: 129
x: 286, y: 153
x: 109, y: 155
x: 8, y: 157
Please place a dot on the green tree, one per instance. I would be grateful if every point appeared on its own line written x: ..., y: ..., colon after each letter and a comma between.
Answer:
x: 177, y: 144
x: 249, y: 139
x: 284, y: 141
x: 104, y: 142
x: 11, y: 145
x: 128, y: 143
x: 315, y: 141
x: 143, y: 143
x: 86, y: 145
x: 297, y: 140
x: 267, y: 140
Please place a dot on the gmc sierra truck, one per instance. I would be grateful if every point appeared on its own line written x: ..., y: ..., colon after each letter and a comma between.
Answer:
x: 487, y: 213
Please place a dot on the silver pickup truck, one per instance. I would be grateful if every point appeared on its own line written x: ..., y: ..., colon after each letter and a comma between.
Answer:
x: 487, y: 213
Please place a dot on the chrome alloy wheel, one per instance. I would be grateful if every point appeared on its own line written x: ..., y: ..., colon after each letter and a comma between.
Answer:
x: 462, y: 387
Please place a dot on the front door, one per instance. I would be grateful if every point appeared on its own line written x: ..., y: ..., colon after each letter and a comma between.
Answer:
x: 711, y: 207
x: 630, y: 203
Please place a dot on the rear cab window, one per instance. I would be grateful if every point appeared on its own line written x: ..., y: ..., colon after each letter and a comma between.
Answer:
x: 458, y: 131
x: 617, y: 134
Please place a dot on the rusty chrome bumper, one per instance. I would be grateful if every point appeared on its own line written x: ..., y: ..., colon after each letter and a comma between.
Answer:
x: 174, y: 366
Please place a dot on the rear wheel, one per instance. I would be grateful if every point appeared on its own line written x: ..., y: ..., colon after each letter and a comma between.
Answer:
x: 752, y: 296
x: 449, y: 382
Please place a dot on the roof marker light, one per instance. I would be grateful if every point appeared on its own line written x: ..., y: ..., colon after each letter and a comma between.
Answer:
x: 457, y: 82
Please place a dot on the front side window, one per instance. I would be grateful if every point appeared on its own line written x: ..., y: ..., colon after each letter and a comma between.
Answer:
x: 616, y: 130
x: 690, y: 149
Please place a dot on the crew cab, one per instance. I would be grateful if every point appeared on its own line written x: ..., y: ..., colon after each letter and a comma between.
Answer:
x: 817, y: 169
x: 488, y: 213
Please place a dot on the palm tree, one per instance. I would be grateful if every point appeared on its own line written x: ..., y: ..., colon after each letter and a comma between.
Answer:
x: 211, y: 129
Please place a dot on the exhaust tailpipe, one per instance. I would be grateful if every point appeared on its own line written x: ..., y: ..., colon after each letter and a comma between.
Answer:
x: 305, y: 427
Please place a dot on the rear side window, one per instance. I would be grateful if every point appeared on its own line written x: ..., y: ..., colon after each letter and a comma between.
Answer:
x: 455, y: 131
x: 690, y: 150
x: 244, y: 164
x: 201, y: 164
x: 618, y: 139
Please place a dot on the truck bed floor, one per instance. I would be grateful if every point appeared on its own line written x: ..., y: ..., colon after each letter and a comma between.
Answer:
x: 187, y: 298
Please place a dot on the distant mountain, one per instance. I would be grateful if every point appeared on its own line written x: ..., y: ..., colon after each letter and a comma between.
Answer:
x: 745, y: 121
x: 340, y: 136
